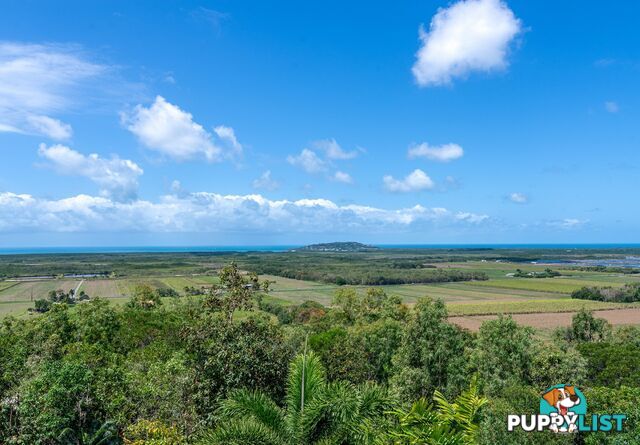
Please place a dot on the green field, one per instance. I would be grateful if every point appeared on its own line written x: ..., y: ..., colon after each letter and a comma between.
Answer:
x: 32, y: 290
x: 559, y: 285
x: 530, y: 306
x: 498, y: 293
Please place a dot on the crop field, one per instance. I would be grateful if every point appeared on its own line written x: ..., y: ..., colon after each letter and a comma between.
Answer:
x: 31, y: 290
x: 550, y: 320
x: 101, y: 288
x: 559, y: 284
x: 462, y: 292
x: 529, y: 306
x: 493, y: 292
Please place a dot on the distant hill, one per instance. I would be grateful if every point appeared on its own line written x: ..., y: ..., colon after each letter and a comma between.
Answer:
x: 337, y: 247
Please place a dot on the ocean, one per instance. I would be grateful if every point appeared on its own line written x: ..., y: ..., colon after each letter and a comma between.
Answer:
x: 284, y: 248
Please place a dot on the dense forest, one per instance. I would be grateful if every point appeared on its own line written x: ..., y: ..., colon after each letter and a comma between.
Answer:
x: 231, y: 367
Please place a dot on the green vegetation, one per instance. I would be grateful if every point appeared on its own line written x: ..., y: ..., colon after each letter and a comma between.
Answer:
x: 547, y: 273
x: 529, y: 307
x: 629, y: 293
x: 230, y: 356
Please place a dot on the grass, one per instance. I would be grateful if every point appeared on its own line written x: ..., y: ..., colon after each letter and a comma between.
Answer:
x: 461, y: 292
x: 14, y: 308
x: 27, y: 290
x: 558, y: 285
x: 529, y: 307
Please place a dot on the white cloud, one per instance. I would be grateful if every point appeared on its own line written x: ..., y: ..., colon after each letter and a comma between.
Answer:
x: 37, y: 81
x: 228, y: 135
x: 205, y: 212
x: 470, y: 35
x: 611, y: 107
x: 333, y: 151
x: 343, y: 177
x: 50, y: 127
x: 171, y: 131
x: 308, y: 160
x: 518, y: 198
x: 441, y: 153
x: 568, y: 223
x: 117, y: 178
x: 413, y: 182
x: 266, y: 182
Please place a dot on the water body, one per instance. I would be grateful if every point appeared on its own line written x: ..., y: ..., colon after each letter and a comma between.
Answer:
x: 284, y: 248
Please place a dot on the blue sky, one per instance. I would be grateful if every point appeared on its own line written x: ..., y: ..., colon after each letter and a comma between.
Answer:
x: 479, y: 121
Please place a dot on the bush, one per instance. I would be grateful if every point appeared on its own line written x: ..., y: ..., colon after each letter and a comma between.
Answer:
x: 431, y: 355
x: 612, y: 365
x: 628, y: 293
x: 503, y: 354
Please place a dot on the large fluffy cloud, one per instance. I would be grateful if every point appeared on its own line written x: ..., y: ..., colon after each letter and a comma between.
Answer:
x: 470, y: 35
x: 210, y: 212
x: 415, y: 181
x: 166, y: 128
x: 37, y: 81
x: 117, y: 178
x: 441, y: 153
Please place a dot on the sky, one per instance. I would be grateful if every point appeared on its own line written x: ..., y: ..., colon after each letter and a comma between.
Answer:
x: 260, y: 123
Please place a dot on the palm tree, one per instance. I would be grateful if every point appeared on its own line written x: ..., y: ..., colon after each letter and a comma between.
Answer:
x: 105, y: 434
x: 316, y: 412
x: 448, y: 423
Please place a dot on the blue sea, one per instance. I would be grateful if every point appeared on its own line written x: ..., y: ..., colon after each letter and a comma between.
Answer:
x: 284, y: 248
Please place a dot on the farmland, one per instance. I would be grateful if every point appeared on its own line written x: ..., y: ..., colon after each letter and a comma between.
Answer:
x: 482, y: 281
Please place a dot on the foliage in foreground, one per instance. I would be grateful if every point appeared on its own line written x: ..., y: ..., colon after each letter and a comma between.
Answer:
x: 316, y: 411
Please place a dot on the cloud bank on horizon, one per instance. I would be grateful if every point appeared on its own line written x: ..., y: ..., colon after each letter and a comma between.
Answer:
x: 206, y: 212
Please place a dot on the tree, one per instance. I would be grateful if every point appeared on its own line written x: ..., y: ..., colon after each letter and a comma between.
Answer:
x: 503, y: 354
x: 249, y: 353
x: 235, y: 291
x: 97, y: 322
x: 585, y: 328
x: 315, y: 412
x: 42, y: 306
x: 611, y: 365
x: 432, y: 354
x: 346, y: 299
x: 359, y: 353
x: 552, y: 364
x: 144, y: 297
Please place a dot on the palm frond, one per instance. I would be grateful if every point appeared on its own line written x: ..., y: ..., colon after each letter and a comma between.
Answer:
x: 243, y: 403
x: 246, y: 431
x: 462, y: 413
x: 330, y: 413
x: 306, y: 378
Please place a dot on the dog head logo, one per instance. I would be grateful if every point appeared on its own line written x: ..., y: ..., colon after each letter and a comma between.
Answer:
x: 565, y: 401
x: 563, y: 398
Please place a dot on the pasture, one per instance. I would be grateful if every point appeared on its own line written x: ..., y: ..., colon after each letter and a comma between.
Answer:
x: 498, y: 293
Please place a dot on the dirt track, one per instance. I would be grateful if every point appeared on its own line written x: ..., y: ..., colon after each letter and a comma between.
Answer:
x: 552, y: 319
